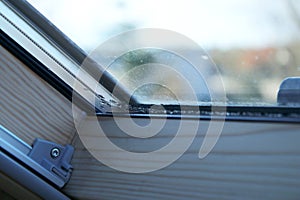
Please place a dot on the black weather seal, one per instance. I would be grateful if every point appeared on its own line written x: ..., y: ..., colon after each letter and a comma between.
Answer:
x: 282, y: 114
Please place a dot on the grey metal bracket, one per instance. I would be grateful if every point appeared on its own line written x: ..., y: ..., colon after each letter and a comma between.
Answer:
x: 53, y: 157
x: 47, y: 159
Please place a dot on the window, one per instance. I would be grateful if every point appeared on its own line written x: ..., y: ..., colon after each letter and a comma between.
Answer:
x: 138, y: 75
x: 19, y: 33
x: 250, y: 46
x: 254, y: 46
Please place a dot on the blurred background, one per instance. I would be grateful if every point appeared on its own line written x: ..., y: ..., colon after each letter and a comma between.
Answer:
x: 255, y: 44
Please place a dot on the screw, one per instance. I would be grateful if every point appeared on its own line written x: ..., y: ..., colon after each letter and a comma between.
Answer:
x: 55, y: 152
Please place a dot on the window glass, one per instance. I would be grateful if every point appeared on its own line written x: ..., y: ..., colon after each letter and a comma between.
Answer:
x: 255, y: 44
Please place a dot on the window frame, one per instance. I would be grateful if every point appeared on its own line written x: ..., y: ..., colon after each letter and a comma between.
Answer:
x: 68, y: 54
x: 72, y: 54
